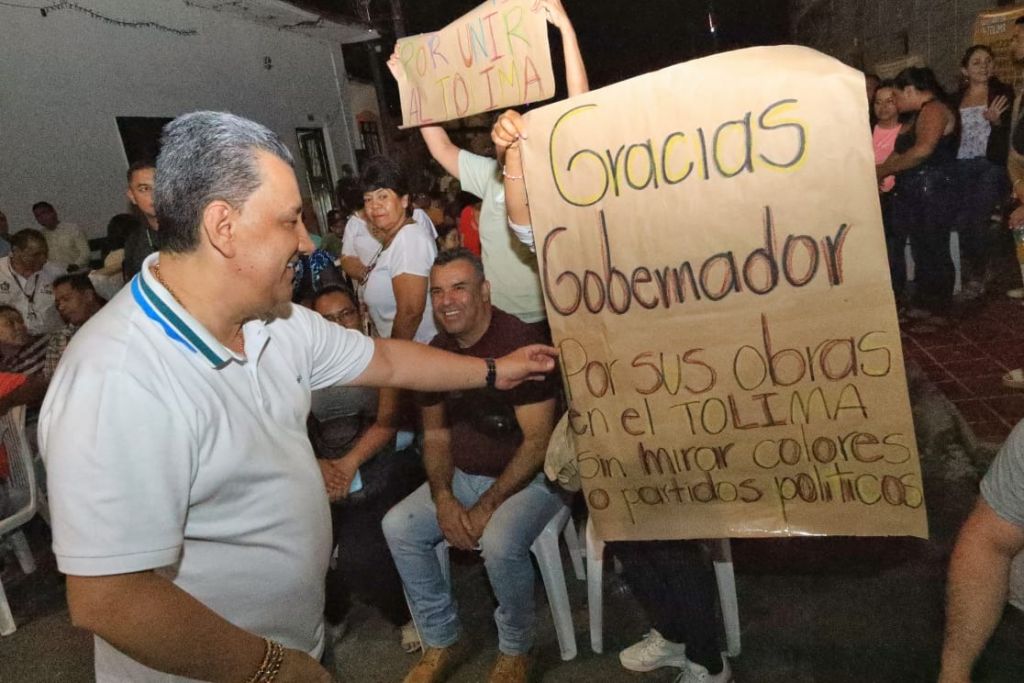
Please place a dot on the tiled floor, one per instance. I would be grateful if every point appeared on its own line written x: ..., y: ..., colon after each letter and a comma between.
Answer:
x: 967, y: 360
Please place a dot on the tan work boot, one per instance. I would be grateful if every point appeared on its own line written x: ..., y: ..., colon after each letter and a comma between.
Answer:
x: 510, y: 669
x: 435, y: 664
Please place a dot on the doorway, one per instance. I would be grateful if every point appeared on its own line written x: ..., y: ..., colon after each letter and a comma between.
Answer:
x: 318, y: 171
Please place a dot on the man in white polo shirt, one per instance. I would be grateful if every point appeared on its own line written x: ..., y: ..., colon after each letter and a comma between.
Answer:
x: 188, y: 510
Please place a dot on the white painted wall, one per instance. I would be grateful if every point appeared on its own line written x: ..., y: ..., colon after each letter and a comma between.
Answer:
x: 64, y: 78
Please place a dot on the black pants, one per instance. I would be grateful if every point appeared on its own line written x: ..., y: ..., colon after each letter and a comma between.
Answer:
x: 982, y: 187
x: 895, y: 247
x: 923, y: 208
x: 675, y: 585
x: 365, y: 567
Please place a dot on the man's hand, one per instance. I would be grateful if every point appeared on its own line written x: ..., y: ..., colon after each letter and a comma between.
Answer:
x: 525, y: 363
x: 299, y: 667
x: 454, y: 522
x: 476, y: 520
x: 507, y: 131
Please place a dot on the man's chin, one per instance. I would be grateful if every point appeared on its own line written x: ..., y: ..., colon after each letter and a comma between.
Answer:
x: 282, y: 309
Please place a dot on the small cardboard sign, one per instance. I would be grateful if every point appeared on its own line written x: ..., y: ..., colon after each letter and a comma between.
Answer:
x: 495, y: 57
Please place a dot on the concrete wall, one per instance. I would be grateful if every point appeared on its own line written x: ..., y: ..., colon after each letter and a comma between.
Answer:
x: 864, y: 32
x: 66, y: 76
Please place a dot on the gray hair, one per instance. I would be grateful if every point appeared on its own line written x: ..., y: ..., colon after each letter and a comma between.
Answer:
x: 206, y: 156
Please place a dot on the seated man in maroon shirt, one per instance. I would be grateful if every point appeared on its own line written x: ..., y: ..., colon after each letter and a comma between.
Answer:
x: 483, y: 452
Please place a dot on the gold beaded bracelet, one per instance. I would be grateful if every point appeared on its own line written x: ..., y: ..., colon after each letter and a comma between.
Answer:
x: 273, y: 657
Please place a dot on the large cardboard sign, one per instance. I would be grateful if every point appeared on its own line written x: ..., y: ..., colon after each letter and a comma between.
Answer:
x: 995, y: 28
x: 714, y: 268
x: 496, y: 56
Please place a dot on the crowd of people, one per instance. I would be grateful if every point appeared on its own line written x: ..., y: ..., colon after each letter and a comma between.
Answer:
x: 246, y: 372
x: 955, y: 163
x: 942, y: 169
x: 239, y: 372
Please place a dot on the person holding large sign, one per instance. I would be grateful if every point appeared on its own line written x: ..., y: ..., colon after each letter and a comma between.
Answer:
x: 510, y: 268
x: 673, y: 580
x: 711, y: 252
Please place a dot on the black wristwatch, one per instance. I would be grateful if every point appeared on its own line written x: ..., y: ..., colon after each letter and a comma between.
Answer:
x: 492, y: 372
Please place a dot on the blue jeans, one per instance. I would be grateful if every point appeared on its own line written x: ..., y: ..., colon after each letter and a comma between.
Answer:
x: 412, y: 531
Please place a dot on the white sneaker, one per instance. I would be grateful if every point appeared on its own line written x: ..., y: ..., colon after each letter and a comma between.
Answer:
x: 695, y: 673
x: 653, y: 652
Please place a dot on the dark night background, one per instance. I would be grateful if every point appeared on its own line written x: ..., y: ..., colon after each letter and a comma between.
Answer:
x: 619, y: 39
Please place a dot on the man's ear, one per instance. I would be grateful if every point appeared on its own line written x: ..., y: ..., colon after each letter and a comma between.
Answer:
x: 485, y: 290
x: 131, y: 199
x: 218, y: 226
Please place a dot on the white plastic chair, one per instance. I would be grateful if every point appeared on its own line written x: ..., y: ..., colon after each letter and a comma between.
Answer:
x: 549, y: 559
x: 18, y: 501
x: 722, y: 555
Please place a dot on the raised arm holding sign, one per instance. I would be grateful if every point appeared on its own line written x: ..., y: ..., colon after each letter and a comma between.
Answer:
x: 511, y: 269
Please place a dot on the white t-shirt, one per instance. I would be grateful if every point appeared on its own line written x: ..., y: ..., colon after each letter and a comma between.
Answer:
x: 164, y: 450
x: 32, y: 296
x: 360, y: 243
x: 410, y: 252
x: 510, y: 267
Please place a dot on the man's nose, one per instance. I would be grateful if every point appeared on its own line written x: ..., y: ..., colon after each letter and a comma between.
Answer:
x: 305, y: 243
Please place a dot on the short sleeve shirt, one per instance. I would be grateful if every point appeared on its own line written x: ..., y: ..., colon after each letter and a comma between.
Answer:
x: 1003, y: 485
x: 360, y: 243
x: 166, y: 451
x: 485, y: 433
x: 510, y: 266
x: 411, y: 252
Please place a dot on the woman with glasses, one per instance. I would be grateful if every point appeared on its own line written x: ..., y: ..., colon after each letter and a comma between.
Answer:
x: 368, y: 465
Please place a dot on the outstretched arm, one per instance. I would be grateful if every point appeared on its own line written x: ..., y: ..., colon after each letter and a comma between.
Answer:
x: 410, y: 365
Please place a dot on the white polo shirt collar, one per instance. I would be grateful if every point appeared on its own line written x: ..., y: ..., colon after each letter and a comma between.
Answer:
x: 160, y: 306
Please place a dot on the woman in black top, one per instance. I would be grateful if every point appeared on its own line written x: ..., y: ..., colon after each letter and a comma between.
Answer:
x: 923, y: 162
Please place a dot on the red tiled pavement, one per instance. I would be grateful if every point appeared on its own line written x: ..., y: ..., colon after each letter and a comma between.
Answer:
x: 968, y: 358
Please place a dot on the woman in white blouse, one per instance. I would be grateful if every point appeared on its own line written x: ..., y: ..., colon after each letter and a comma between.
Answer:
x: 394, y: 286
x: 984, y: 109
